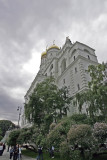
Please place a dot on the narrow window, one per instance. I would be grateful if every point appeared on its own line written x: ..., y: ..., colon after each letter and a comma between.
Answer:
x: 75, y: 69
x: 74, y: 58
x: 88, y: 57
x: 63, y: 66
x: 51, y: 67
x: 78, y: 86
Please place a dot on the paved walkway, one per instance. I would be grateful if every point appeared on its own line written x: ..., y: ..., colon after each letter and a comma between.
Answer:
x: 5, y: 156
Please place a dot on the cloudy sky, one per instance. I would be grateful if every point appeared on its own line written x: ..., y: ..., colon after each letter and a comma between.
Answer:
x: 28, y: 26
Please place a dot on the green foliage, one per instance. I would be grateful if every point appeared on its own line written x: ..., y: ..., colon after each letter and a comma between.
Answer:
x: 64, y: 150
x: 24, y: 136
x: 79, y: 118
x: 40, y: 140
x: 52, y: 126
x: 82, y: 119
x: 82, y: 135
x: 47, y: 103
x: 100, y: 132
x: 5, y: 125
x: 20, y: 136
x: 0, y: 135
x: 75, y: 155
x: 79, y: 134
x: 13, y: 136
x: 96, y: 97
x: 59, y: 133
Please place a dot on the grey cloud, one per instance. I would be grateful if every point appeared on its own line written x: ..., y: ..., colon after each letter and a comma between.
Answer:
x: 8, y: 106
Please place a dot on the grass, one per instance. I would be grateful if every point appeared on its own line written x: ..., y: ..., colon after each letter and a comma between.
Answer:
x: 57, y: 157
x: 34, y: 155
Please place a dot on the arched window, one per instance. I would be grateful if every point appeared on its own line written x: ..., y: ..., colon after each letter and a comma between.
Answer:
x: 88, y: 57
x: 63, y: 65
x: 51, y: 67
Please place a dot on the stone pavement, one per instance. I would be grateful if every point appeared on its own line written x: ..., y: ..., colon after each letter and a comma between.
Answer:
x: 5, y: 156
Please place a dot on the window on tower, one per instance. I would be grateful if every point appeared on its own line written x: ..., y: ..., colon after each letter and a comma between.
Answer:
x: 88, y: 57
x: 73, y: 51
x: 63, y: 65
x: 78, y: 86
x: 51, y: 67
x: 75, y: 69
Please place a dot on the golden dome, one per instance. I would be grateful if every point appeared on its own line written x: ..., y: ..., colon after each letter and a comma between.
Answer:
x: 53, y: 46
x: 43, y: 54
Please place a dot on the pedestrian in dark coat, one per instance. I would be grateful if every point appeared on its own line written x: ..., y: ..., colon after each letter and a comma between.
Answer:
x: 40, y: 153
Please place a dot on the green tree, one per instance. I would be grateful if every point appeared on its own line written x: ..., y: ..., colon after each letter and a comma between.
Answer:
x: 24, y: 136
x: 5, y: 125
x: 47, y: 103
x: 0, y: 135
x: 63, y: 101
x: 13, y: 137
x: 95, y: 98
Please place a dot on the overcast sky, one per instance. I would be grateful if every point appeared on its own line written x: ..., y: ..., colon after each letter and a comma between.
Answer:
x: 28, y: 26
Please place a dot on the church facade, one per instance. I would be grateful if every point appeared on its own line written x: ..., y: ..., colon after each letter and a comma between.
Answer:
x: 68, y: 66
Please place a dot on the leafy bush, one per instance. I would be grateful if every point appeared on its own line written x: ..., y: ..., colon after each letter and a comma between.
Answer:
x: 79, y: 134
x: 52, y: 126
x: 55, y: 138
x: 59, y: 133
x: 100, y: 131
x: 64, y: 150
x: 79, y: 118
x: 75, y: 155
x: 82, y: 137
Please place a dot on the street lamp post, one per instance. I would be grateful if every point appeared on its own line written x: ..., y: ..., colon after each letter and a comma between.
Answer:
x: 19, y: 110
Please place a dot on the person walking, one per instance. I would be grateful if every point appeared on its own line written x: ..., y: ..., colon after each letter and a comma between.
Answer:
x: 15, y: 152
x: 51, y: 152
x: 1, y: 149
x: 4, y: 147
x: 40, y: 153
x: 11, y: 152
x: 19, y: 153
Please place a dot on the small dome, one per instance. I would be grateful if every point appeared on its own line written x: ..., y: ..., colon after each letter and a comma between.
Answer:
x: 53, y: 46
x: 43, y: 54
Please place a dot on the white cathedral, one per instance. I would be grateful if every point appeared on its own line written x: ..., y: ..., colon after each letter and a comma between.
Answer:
x: 68, y: 66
